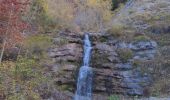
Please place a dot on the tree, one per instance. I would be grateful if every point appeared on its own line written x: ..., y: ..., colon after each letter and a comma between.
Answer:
x: 11, y: 23
x: 115, y: 3
x: 80, y: 15
x: 93, y: 15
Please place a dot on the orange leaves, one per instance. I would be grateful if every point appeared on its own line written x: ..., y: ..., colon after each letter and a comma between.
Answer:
x: 11, y: 22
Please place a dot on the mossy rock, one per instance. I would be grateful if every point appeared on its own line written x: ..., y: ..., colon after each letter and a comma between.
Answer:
x: 66, y: 87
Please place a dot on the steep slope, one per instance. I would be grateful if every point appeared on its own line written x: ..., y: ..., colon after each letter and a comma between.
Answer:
x: 152, y: 15
x: 152, y: 19
x: 123, y: 66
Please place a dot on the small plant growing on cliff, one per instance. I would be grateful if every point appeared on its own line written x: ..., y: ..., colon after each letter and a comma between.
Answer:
x: 125, y: 54
x: 116, y: 30
x: 141, y: 38
x: 114, y: 97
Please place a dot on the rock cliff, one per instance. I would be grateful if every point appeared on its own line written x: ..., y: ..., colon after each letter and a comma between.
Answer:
x: 114, y: 63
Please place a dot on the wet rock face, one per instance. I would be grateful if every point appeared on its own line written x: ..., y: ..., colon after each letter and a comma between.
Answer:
x: 111, y: 73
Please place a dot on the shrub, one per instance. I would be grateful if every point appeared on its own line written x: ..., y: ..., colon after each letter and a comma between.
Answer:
x: 141, y: 38
x: 36, y: 45
x: 115, y: 3
x: 39, y: 16
x: 116, y: 30
x: 19, y: 79
x: 23, y: 69
x: 114, y: 97
x: 161, y: 87
x: 125, y: 54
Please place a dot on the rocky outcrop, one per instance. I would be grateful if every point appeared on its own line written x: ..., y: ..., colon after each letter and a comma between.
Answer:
x: 69, y: 52
x: 116, y: 76
x: 113, y: 62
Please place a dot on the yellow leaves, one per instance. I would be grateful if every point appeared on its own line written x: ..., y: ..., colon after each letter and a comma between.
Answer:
x: 71, y: 14
x: 7, y: 65
x: 59, y: 8
x: 92, y: 2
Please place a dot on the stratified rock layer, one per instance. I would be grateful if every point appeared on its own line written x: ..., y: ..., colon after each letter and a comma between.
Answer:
x: 111, y: 74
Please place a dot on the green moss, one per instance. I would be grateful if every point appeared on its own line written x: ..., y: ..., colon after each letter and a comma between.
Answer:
x: 141, y: 38
x: 125, y: 54
x: 103, y: 39
x: 66, y: 87
x: 113, y: 97
x: 136, y: 63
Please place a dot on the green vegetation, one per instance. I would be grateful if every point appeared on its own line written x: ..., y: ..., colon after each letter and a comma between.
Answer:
x: 116, y: 30
x: 160, y: 87
x: 20, y: 78
x: 141, y: 38
x: 125, y: 54
x: 61, y: 41
x: 116, y: 3
x: 36, y: 45
x: 29, y: 76
x: 114, y: 97
x: 39, y: 16
x: 66, y: 88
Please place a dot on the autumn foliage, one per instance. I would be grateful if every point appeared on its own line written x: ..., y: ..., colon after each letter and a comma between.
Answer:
x: 11, y: 24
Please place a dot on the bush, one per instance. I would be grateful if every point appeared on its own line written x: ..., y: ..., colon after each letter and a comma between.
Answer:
x: 115, y: 3
x: 19, y: 79
x: 36, y: 45
x: 24, y: 68
x: 125, y: 54
x: 114, y: 97
x: 141, y: 38
x: 116, y: 30
x: 39, y: 16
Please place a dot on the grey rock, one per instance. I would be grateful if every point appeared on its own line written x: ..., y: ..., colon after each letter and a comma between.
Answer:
x: 68, y: 52
x: 122, y: 66
x: 104, y: 47
x: 122, y: 45
x: 143, y: 45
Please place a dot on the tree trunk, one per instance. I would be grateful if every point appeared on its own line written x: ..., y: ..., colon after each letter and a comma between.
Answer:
x: 2, y: 51
x: 5, y: 39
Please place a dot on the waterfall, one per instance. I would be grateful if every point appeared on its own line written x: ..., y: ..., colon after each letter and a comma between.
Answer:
x: 84, y: 83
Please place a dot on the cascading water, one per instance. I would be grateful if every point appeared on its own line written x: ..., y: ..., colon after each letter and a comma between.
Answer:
x: 84, y: 84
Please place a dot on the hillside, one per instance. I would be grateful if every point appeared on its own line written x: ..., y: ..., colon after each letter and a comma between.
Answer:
x: 85, y: 50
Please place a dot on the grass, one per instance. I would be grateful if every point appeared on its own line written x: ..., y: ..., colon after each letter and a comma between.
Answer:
x: 22, y: 77
x: 116, y: 30
x: 141, y: 38
x: 19, y: 78
x: 161, y: 87
x: 36, y: 45
x: 114, y: 97
x: 161, y: 39
x: 125, y: 54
